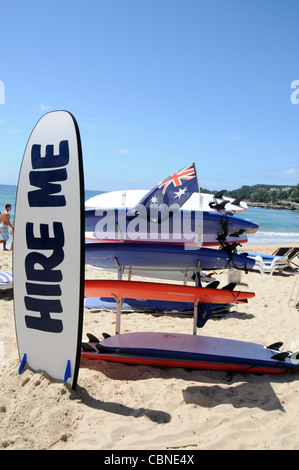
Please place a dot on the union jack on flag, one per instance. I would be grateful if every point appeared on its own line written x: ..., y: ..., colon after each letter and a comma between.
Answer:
x: 174, y: 191
x: 177, y: 178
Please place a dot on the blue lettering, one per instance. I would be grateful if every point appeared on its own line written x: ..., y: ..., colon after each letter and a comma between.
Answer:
x: 43, y: 197
x: 48, y: 263
x: 44, y: 322
x: 43, y: 289
x: 40, y: 267
x: 42, y: 274
x: 44, y: 242
x: 50, y: 160
x: 47, y: 273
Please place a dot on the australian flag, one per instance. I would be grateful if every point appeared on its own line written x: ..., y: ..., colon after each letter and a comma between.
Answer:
x: 168, y: 196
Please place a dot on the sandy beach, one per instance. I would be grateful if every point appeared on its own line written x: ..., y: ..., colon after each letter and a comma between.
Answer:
x: 122, y: 407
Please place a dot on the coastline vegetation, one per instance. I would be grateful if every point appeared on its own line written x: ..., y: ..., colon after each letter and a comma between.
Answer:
x: 265, y: 195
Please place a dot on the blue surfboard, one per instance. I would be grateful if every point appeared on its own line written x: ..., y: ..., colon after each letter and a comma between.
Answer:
x: 163, y: 255
x: 181, y: 227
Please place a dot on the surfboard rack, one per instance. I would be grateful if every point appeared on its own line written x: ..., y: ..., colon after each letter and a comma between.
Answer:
x: 195, y: 310
x: 198, y: 297
x: 119, y: 301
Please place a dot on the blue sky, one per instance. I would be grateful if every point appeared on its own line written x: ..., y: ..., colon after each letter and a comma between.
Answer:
x: 155, y: 85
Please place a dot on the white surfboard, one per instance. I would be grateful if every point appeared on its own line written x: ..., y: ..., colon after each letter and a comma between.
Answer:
x: 197, y: 201
x: 48, y: 253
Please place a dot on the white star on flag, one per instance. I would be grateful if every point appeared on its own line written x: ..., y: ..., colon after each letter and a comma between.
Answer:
x: 180, y: 193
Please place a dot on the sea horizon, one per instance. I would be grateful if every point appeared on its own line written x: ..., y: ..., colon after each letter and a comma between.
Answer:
x: 276, y: 226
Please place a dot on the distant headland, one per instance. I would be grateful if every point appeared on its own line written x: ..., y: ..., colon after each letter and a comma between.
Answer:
x: 266, y: 196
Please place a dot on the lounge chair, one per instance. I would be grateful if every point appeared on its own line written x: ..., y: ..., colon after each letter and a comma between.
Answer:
x: 291, y: 256
x: 5, y: 280
x: 282, y: 251
x: 267, y: 267
x: 267, y: 264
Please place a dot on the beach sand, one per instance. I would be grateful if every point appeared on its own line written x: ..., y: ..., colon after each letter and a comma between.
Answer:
x: 122, y: 407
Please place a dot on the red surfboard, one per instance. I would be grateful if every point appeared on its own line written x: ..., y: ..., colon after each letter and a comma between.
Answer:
x: 162, y: 291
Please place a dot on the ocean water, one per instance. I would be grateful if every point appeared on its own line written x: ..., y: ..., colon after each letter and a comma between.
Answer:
x: 8, y: 196
x: 275, y: 226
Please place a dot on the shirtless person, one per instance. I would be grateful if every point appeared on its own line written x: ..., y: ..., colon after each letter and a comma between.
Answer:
x: 4, y: 218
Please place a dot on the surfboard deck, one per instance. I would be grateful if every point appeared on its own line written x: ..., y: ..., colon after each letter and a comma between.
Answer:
x: 162, y: 255
x: 131, y: 197
x: 48, y: 252
x: 162, y: 291
x: 183, y: 227
x: 190, y: 351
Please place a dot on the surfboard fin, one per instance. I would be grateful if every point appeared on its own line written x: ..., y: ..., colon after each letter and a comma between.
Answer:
x: 229, y: 286
x: 87, y: 347
x: 213, y: 285
x: 222, y: 204
x: 92, y: 338
x: 237, y: 201
x: 218, y: 206
x: 106, y: 335
x: 103, y: 349
x: 23, y: 362
x: 281, y: 356
x: 219, y: 194
x: 68, y: 371
x: 275, y: 346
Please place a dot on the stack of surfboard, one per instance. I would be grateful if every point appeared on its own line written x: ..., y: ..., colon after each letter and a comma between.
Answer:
x: 195, y: 352
x: 105, y: 220
x: 105, y: 242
